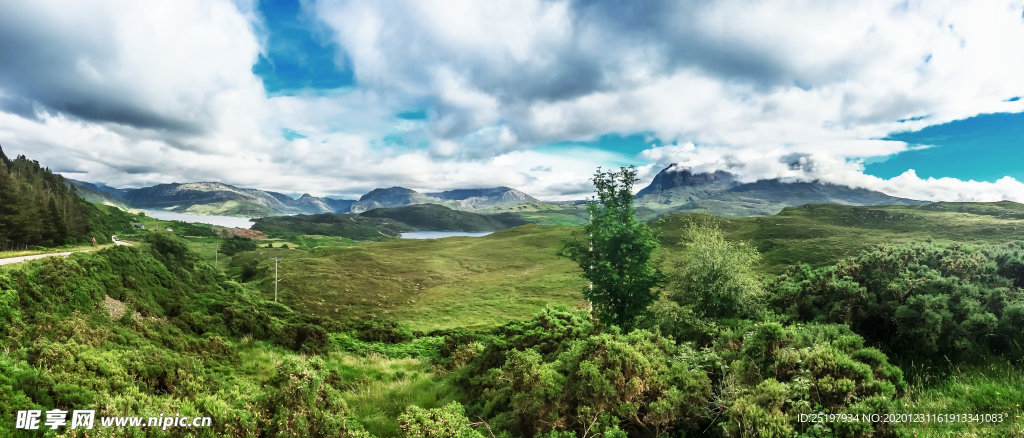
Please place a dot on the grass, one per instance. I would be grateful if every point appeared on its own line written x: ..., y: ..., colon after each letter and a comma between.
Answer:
x: 473, y: 282
x: 511, y: 274
x: 991, y: 387
x: 820, y: 235
x: 386, y: 387
x: 377, y: 389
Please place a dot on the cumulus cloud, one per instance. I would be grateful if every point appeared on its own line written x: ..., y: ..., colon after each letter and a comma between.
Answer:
x: 137, y: 94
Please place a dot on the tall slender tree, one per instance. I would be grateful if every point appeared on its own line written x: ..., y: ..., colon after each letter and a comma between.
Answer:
x: 616, y: 252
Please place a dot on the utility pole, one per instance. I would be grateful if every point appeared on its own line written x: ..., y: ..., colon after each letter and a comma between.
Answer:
x: 215, y: 249
x: 275, y: 276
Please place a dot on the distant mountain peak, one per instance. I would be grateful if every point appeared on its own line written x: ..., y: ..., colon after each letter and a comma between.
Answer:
x: 679, y: 176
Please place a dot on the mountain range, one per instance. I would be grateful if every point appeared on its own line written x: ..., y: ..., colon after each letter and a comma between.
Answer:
x: 675, y: 189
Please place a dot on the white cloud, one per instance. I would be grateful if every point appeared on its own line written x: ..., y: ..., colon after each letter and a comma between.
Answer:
x: 138, y: 93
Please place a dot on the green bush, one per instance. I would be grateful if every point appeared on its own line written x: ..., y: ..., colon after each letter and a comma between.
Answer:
x: 557, y: 372
x: 447, y: 422
x: 774, y: 373
x: 383, y: 330
x: 306, y: 404
x: 713, y: 276
x: 922, y: 300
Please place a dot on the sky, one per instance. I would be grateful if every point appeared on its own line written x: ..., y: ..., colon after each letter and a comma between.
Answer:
x: 919, y: 99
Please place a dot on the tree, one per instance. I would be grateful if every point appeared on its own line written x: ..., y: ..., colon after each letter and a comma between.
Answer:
x: 616, y: 252
x: 713, y: 276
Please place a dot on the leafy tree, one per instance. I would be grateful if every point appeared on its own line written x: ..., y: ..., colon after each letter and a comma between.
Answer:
x: 616, y: 254
x: 713, y: 276
x: 236, y: 244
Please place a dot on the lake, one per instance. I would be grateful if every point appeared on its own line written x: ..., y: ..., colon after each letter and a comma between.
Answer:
x: 224, y: 221
x: 441, y: 234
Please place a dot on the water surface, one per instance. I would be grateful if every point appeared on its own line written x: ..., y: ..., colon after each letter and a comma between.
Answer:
x: 441, y: 234
x: 224, y: 221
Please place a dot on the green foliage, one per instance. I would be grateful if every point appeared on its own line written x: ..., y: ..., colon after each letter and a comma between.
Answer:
x: 616, y: 255
x: 39, y: 208
x: 923, y: 300
x: 447, y: 422
x: 681, y: 323
x: 713, y: 276
x: 192, y: 229
x: 774, y: 373
x: 306, y: 404
x: 557, y: 372
x: 385, y: 330
x: 428, y: 347
x: 236, y: 244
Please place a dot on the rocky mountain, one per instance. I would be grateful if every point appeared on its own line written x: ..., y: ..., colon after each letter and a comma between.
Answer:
x: 223, y: 199
x: 477, y: 198
x: 390, y: 197
x: 677, y: 189
x: 459, y: 199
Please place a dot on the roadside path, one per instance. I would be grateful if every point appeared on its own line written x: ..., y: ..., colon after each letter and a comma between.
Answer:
x: 11, y: 260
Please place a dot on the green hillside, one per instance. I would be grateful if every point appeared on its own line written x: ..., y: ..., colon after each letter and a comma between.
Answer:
x: 433, y: 217
x: 329, y: 224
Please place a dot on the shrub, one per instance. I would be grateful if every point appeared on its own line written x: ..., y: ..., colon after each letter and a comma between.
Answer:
x: 447, y: 422
x: 558, y: 373
x: 713, y: 276
x: 781, y: 372
x: 923, y: 300
x: 236, y: 244
x: 383, y: 330
x: 305, y: 404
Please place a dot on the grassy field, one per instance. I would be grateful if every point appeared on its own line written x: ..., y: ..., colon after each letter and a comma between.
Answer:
x: 544, y: 214
x: 511, y: 274
x: 429, y: 284
x: 820, y: 235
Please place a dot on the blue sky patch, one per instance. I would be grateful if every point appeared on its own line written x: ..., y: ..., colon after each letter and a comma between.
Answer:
x: 627, y: 145
x: 412, y: 115
x: 981, y: 148
x: 296, y: 57
x: 290, y: 135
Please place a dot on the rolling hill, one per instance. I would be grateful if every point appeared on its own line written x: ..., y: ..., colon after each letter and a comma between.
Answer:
x: 330, y: 224
x: 433, y: 217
